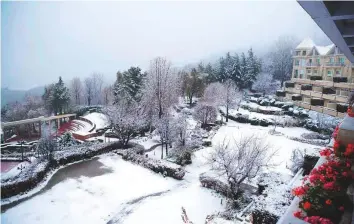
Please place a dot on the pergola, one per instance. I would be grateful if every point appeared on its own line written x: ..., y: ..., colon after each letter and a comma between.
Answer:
x: 38, y: 120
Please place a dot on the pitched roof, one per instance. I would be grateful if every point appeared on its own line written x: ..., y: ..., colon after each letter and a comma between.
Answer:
x: 306, y: 43
x: 323, y: 50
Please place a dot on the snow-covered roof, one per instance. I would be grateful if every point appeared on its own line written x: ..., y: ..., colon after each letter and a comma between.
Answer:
x: 323, y: 50
x: 306, y: 43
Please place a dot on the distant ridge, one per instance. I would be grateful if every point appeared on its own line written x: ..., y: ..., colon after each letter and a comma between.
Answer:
x: 9, y: 95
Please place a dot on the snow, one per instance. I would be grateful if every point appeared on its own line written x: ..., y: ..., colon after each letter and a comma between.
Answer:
x: 99, y: 119
x: 306, y: 43
x: 133, y: 194
x: 14, y: 171
x: 89, y: 200
x: 323, y: 50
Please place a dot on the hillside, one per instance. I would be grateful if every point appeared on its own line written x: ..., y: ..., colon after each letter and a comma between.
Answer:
x: 10, y: 95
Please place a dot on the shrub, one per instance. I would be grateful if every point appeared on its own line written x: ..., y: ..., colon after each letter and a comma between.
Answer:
x: 263, y: 217
x: 309, y: 163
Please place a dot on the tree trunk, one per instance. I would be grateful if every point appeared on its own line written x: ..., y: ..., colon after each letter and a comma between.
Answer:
x: 162, y: 150
x: 227, y: 113
x: 190, y: 99
x: 166, y: 149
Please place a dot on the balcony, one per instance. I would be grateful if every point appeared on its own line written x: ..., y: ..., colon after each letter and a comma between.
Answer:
x: 296, y: 97
x: 342, y: 99
x: 342, y: 82
x: 317, y: 102
x: 312, y: 64
x: 302, y: 81
x: 289, y: 84
x: 322, y: 83
x: 317, y: 94
x: 315, y: 77
x: 342, y: 107
x: 328, y: 93
x: 334, y: 64
x: 280, y: 93
x: 305, y: 105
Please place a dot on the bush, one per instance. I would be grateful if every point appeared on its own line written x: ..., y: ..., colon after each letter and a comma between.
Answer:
x: 254, y: 121
x: 264, y: 123
x: 184, y: 158
x: 263, y: 217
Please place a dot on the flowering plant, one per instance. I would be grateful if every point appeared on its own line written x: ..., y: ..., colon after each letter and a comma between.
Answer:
x: 323, y: 193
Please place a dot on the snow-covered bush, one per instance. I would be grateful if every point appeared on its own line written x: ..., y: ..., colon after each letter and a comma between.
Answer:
x: 243, y: 160
x: 66, y: 140
x: 263, y: 217
x: 158, y: 166
x: 296, y: 160
x: 46, y: 146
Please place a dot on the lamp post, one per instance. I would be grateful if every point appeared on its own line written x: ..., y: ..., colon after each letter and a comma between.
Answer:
x: 22, y: 142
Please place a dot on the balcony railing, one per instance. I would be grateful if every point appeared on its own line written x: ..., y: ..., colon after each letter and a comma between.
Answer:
x: 335, y: 64
x: 312, y: 64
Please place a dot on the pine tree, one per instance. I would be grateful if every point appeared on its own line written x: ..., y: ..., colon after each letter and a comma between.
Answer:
x: 211, y: 77
x: 253, y: 68
x: 243, y: 72
x: 59, y: 97
x: 128, y: 84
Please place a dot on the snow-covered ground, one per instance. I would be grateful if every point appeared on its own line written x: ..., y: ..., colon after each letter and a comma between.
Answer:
x: 132, y: 194
x: 99, y: 119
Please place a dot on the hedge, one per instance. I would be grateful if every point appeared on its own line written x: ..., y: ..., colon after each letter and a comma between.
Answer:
x: 263, y: 217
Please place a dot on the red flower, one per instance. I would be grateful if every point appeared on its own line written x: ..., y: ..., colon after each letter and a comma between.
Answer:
x: 345, y: 174
x: 317, y: 220
x: 326, y: 152
x: 336, y: 145
x: 328, y: 202
x: 341, y: 208
x: 298, y: 214
x: 307, y: 205
x: 298, y: 191
x: 329, y: 186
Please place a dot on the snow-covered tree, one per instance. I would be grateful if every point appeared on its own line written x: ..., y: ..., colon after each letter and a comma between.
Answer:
x: 164, y: 127
x: 180, y: 130
x: 107, y: 94
x: 253, y: 68
x: 126, y: 120
x: 46, y: 144
x: 66, y: 140
x: 205, y: 113
x: 89, y: 90
x: 161, y: 86
x: 223, y: 94
x: 242, y: 160
x: 98, y: 80
x: 128, y: 84
x: 76, y: 90
x: 264, y: 83
x: 193, y: 85
x: 230, y: 97
x: 56, y: 97
x: 281, y: 59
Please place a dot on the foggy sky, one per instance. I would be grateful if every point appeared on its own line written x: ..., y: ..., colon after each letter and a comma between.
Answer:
x: 44, y: 40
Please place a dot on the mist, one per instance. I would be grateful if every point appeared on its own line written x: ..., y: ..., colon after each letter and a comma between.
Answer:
x: 44, y: 40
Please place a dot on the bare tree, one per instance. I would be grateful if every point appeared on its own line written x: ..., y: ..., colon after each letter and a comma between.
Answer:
x: 89, y: 90
x: 126, y: 120
x: 107, y: 94
x: 205, y: 113
x: 242, y: 160
x: 180, y: 130
x: 281, y: 58
x: 97, y: 88
x: 264, y: 83
x: 164, y: 127
x: 193, y: 85
x: 161, y: 86
x: 76, y: 90
x: 230, y: 97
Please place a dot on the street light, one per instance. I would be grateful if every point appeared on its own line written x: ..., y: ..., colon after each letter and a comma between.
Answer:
x: 22, y: 142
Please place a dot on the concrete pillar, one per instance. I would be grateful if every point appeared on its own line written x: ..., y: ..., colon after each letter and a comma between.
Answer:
x: 40, y: 129
x: 58, y: 123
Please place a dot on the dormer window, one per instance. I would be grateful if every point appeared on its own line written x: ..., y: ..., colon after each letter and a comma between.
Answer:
x: 303, y: 53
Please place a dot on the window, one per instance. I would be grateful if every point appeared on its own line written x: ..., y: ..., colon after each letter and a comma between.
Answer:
x: 308, y: 71
x: 297, y: 62
x: 303, y: 53
x: 331, y: 60
x: 297, y: 53
x: 310, y: 61
x: 301, y: 74
x: 314, y: 71
x: 318, y: 61
x: 341, y: 60
x: 296, y: 73
x: 337, y: 72
x: 303, y: 62
x: 329, y: 73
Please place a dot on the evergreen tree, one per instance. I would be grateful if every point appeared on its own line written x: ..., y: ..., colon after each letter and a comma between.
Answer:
x: 59, y: 97
x: 128, y: 84
x: 243, y: 72
x: 201, y: 68
x: 253, y: 68
x: 211, y: 77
